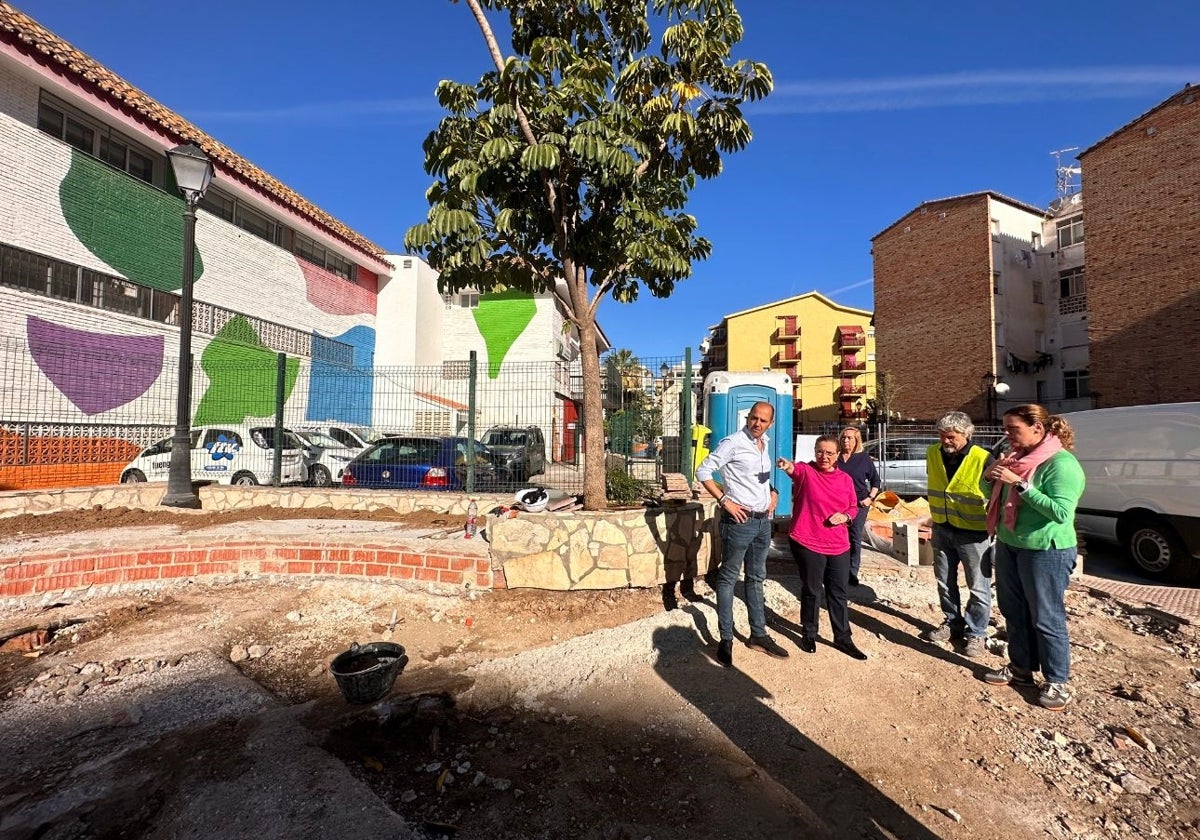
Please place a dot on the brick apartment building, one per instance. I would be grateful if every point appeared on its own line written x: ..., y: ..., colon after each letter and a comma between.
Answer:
x: 981, y: 285
x: 959, y: 297
x: 1143, y: 256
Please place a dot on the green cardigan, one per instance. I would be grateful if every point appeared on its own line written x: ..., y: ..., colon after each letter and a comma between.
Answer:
x: 1046, y: 517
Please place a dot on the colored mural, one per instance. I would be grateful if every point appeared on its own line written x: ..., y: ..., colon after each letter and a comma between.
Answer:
x: 332, y: 294
x: 501, y: 318
x: 346, y: 394
x: 97, y: 372
x: 130, y: 225
x: 241, y: 374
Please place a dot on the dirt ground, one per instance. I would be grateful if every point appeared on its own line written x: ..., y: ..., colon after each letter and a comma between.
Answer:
x: 526, y: 714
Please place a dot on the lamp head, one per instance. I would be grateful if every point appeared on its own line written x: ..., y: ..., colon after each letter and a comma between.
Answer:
x: 192, y: 169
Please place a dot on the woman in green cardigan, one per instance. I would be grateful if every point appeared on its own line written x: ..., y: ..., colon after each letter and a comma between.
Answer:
x: 1033, y: 492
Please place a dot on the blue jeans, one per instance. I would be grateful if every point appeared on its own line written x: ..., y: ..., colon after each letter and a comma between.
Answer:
x: 973, y: 550
x: 857, y: 526
x: 746, y: 543
x: 1031, y: 585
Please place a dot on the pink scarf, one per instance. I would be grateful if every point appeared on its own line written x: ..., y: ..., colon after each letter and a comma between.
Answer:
x: 1022, y: 465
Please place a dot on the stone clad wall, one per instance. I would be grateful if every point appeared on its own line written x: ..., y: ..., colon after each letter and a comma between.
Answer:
x: 604, y: 550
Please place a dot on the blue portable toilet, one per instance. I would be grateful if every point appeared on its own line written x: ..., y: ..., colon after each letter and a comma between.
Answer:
x: 728, y: 397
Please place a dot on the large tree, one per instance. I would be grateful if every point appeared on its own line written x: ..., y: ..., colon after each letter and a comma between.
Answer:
x: 576, y: 156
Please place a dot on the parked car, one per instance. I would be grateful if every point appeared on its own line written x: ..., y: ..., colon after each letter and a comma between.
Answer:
x: 1142, y: 467
x: 325, y: 456
x: 226, y: 454
x: 346, y: 434
x: 422, y: 463
x: 520, y: 450
x: 901, y: 463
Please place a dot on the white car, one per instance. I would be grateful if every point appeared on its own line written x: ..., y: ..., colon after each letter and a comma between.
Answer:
x: 345, y: 434
x: 326, y: 457
x: 225, y: 454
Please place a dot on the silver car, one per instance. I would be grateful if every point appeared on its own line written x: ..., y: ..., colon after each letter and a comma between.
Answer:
x: 901, y: 463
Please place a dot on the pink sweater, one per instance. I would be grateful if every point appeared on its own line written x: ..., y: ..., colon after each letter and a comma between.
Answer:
x: 816, y: 496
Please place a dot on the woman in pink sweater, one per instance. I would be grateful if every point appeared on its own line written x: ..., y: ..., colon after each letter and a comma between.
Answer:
x: 823, y: 506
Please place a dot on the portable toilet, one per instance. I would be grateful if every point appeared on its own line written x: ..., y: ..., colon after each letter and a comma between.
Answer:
x: 728, y: 397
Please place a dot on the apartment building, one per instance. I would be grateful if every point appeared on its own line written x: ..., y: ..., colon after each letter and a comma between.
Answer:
x: 980, y: 303
x: 828, y: 351
x: 1143, y: 256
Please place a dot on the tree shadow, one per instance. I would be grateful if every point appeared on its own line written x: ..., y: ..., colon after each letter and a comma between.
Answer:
x: 832, y: 799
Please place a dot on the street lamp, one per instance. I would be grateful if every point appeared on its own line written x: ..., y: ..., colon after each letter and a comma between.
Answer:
x: 193, y: 173
x: 994, y: 388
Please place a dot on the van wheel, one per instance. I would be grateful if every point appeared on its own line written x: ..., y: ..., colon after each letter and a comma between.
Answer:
x: 318, y: 476
x: 1158, y: 550
x: 245, y: 479
x: 133, y: 477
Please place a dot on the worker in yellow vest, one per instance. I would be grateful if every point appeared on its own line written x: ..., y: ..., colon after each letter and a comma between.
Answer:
x: 960, y: 537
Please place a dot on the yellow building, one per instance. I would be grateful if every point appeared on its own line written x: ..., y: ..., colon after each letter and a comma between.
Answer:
x: 827, y: 349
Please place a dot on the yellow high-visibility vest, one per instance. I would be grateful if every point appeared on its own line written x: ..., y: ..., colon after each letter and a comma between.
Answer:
x: 958, y: 501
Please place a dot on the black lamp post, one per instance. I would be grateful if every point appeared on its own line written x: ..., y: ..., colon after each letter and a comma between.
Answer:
x: 193, y: 173
x: 994, y: 388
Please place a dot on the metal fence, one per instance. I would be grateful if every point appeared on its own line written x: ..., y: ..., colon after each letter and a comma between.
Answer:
x: 72, y: 419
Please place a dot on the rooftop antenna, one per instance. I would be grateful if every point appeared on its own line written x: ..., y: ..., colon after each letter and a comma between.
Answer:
x: 1067, y: 178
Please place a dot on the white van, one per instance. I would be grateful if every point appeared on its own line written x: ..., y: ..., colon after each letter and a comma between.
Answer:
x: 227, y: 454
x: 1142, y: 464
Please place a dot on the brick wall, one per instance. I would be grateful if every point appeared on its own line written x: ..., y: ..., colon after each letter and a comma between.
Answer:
x: 1142, y: 232
x: 933, y: 306
x: 97, y: 570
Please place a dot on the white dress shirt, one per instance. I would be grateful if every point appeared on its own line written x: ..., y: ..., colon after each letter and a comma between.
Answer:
x: 745, y: 469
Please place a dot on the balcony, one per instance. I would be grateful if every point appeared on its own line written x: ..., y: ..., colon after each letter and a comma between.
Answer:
x: 848, y: 413
x: 851, y: 337
x: 849, y: 389
x: 788, y: 329
x: 797, y: 403
x: 851, y: 365
x: 785, y: 356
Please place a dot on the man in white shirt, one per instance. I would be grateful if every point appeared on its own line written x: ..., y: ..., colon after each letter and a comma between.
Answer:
x: 747, y: 505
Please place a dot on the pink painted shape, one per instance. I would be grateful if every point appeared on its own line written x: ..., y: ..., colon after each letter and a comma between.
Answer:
x: 97, y: 372
x: 333, y: 294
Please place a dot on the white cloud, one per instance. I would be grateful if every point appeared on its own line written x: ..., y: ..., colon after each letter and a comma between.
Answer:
x: 325, y: 112
x: 990, y: 87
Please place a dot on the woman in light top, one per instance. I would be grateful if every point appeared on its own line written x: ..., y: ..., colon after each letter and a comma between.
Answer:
x: 823, y: 507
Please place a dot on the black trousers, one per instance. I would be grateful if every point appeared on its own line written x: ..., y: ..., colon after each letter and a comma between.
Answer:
x: 827, y: 574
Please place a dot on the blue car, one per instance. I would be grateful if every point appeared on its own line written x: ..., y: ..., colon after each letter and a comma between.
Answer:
x: 420, y: 463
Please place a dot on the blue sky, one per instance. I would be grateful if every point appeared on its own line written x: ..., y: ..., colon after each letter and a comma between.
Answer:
x: 878, y: 107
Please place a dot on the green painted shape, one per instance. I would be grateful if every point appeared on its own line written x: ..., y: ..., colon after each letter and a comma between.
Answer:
x: 501, y: 317
x: 130, y: 225
x: 241, y: 374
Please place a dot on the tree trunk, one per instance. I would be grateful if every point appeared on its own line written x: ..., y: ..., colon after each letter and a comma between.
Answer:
x: 595, y: 496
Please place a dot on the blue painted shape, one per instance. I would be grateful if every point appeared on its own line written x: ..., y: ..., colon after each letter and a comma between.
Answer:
x: 346, y: 394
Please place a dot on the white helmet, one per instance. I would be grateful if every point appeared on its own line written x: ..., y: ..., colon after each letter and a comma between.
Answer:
x: 532, y: 499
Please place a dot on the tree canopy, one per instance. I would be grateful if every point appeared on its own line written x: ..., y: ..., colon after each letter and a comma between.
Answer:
x: 574, y: 158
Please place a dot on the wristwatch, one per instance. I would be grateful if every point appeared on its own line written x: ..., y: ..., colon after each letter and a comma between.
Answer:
x: 1021, y: 486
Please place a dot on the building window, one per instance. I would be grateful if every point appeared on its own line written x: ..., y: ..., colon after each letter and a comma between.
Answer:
x: 1070, y: 231
x: 1075, y: 384
x: 257, y: 224
x: 1071, y: 283
x: 1000, y: 335
x: 94, y: 138
x: 1039, y: 341
x: 995, y: 227
x: 871, y: 332
x: 219, y: 204
x: 1035, y: 239
x: 995, y: 282
x: 1037, y: 291
x: 468, y: 300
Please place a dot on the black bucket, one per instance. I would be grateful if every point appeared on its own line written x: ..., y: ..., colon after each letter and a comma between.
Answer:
x: 366, y: 672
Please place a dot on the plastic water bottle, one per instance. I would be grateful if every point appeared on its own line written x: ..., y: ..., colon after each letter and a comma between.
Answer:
x: 472, y: 519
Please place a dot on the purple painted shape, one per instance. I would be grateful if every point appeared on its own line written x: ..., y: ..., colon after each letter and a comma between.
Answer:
x: 96, y: 371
